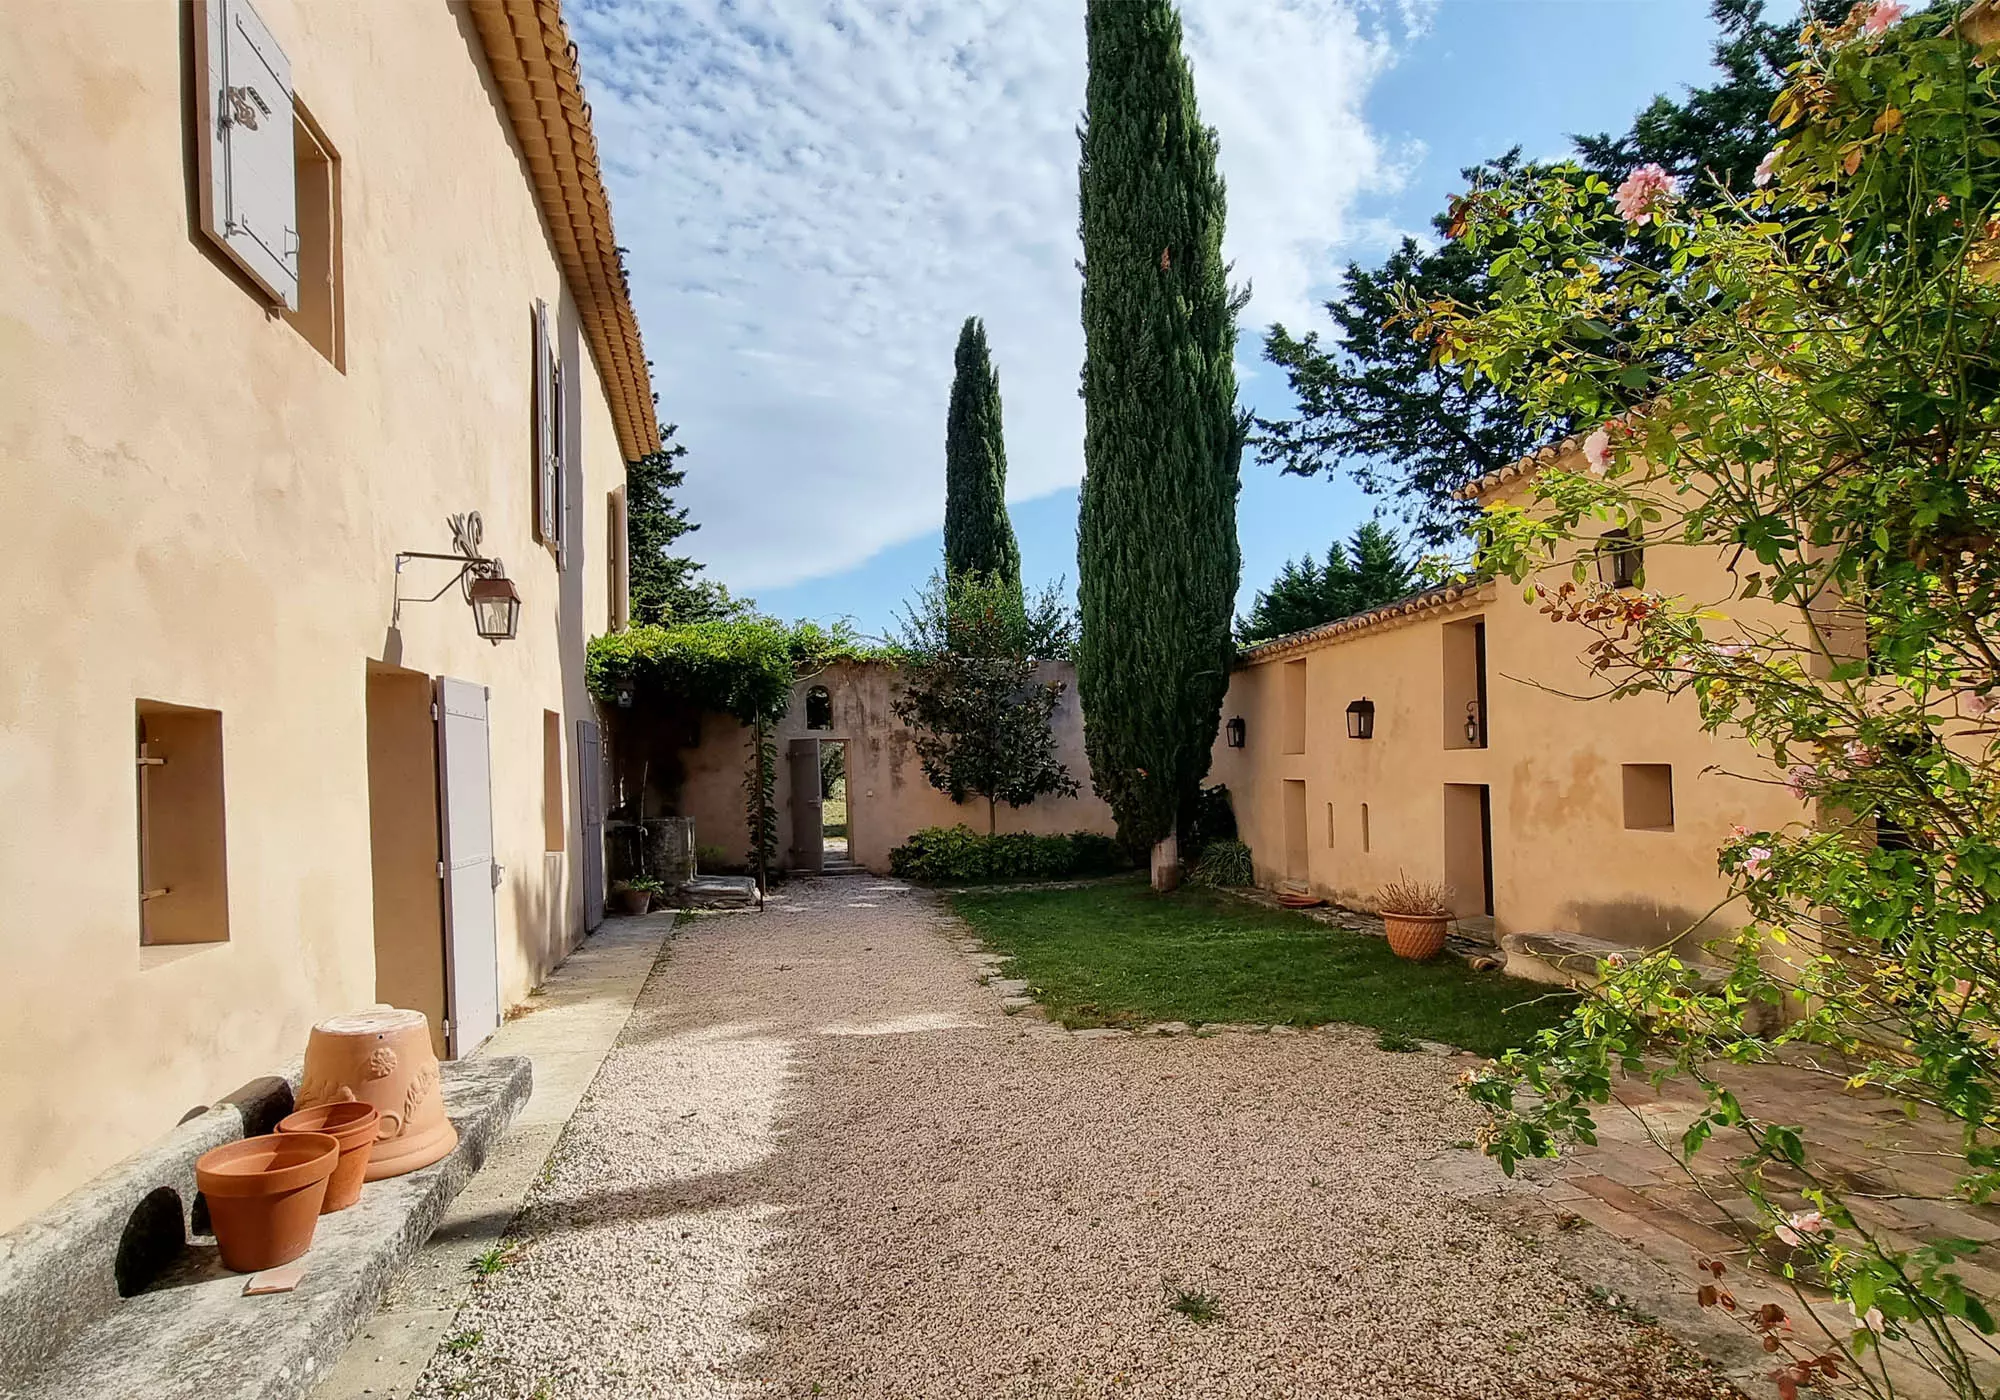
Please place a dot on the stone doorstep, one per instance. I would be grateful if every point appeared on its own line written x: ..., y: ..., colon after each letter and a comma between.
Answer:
x: 195, y: 1336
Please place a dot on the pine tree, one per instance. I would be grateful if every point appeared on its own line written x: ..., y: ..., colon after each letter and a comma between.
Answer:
x: 1366, y: 572
x: 1157, y: 558
x: 663, y: 587
x: 978, y: 537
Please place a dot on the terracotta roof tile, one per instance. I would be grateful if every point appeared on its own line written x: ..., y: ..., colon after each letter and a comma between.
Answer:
x: 535, y: 67
x: 1444, y: 598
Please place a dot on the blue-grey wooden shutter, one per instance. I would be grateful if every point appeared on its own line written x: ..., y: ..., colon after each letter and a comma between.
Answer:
x: 548, y: 430
x: 249, y: 190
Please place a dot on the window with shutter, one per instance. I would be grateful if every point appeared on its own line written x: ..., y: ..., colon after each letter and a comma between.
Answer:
x: 548, y: 429
x: 249, y: 197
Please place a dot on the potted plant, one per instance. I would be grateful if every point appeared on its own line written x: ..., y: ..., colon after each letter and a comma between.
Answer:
x: 634, y: 896
x: 1416, y: 914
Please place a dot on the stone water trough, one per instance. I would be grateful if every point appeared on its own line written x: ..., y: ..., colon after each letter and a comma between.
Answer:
x: 117, y: 1290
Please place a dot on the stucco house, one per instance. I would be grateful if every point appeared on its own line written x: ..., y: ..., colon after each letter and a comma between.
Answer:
x: 1449, y: 736
x: 298, y: 297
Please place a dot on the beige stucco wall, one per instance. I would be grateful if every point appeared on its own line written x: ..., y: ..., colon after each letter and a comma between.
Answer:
x: 888, y: 796
x: 1562, y: 856
x: 204, y: 512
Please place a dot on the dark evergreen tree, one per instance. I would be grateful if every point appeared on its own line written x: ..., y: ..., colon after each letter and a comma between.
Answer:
x: 1373, y: 405
x: 1157, y: 557
x: 665, y: 587
x: 978, y: 536
x: 1366, y: 572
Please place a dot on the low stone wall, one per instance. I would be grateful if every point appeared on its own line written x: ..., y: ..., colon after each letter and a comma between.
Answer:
x: 888, y: 796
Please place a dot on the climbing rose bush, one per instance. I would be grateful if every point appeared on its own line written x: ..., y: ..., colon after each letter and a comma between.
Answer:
x: 1805, y: 383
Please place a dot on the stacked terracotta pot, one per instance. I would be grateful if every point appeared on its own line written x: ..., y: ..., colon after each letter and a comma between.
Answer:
x: 369, y: 1106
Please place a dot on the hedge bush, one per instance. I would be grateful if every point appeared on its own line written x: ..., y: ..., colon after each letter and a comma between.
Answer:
x: 960, y: 855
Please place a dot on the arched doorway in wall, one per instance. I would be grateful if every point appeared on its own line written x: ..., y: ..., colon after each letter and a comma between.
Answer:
x: 834, y: 817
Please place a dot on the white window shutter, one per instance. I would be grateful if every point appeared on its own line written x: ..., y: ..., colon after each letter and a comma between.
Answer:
x: 547, y: 428
x: 249, y: 190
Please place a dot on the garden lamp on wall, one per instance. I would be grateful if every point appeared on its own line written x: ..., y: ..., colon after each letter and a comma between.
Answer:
x: 495, y: 602
x: 1234, y: 731
x: 1472, y: 723
x: 1361, y: 719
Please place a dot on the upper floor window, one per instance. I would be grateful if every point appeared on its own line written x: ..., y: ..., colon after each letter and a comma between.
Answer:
x: 268, y: 180
x: 819, y: 708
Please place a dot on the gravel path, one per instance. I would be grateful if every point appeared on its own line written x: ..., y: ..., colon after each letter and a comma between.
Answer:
x: 822, y: 1162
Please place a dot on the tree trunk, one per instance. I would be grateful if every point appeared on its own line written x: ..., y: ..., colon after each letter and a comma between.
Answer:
x: 992, y: 817
x: 1167, y: 864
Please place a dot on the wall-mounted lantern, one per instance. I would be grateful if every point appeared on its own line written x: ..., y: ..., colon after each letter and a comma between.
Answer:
x: 1234, y: 731
x: 496, y: 606
x: 1472, y: 726
x: 495, y: 602
x: 1361, y: 719
x: 1620, y: 558
x: 624, y: 692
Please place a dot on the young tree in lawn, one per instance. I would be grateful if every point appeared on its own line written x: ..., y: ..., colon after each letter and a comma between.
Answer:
x: 971, y: 693
x: 978, y: 536
x: 1157, y: 556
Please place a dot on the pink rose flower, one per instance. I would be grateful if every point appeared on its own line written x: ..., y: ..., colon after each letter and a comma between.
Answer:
x: 1801, y: 1226
x: 1765, y: 167
x: 1976, y: 703
x: 1801, y: 780
x: 1597, y: 451
x: 1880, y: 16
x: 1757, y: 862
x: 1870, y: 1320
x: 1862, y: 755
x: 1642, y: 190
x: 1738, y: 831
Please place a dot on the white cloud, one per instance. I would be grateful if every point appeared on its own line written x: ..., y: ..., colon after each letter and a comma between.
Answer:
x: 815, y: 195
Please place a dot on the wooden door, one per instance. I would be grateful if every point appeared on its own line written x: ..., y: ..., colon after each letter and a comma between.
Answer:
x: 590, y: 801
x: 808, y: 844
x: 469, y: 872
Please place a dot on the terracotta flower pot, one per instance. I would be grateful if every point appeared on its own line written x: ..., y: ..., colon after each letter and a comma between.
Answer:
x: 264, y: 1195
x: 354, y: 1125
x: 383, y: 1057
x: 1416, y: 937
x: 633, y: 901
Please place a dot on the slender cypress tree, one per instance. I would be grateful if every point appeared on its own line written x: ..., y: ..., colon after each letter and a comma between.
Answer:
x: 978, y: 536
x: 1157, y: 558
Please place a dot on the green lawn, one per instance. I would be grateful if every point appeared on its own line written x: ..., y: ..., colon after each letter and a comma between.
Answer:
x: 1116, y: 954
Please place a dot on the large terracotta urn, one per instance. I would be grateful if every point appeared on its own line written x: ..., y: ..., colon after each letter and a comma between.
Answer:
x: 383, y: 1057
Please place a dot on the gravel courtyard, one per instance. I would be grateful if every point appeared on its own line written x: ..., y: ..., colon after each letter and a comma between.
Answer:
x: 821, y: 1161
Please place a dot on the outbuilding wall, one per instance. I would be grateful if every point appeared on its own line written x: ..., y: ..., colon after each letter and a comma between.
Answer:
x: 1563, y: 857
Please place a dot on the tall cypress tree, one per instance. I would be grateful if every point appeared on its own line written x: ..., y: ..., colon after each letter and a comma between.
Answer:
x: 978, y: 536
x: 1157, y: 558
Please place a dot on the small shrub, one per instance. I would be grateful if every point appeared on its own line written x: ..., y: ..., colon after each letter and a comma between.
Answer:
x: 1224, y: 864
x: 1416, y: 899
x: 1398, y: 1043
x: 1195, y: 1306
x: 960, y: 855
x: 715, y: 860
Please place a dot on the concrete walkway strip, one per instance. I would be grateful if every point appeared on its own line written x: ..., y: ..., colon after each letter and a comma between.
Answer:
x: 575, y: 1019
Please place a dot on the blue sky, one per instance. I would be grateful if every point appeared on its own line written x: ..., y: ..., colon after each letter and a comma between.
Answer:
x: 814, y: 195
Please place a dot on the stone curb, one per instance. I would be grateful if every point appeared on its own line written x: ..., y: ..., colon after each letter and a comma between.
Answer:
x: 193, y: 1335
